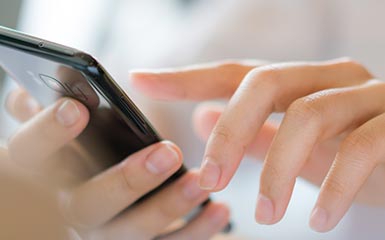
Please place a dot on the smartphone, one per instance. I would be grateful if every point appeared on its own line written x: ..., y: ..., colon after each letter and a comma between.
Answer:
x: 49, y: 71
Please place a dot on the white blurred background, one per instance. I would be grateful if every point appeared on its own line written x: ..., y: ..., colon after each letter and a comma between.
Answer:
x: 150, y: 33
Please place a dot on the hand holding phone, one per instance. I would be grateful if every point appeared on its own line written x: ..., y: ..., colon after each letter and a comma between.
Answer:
x: 115, y: 142
x: 94, y: 206
x: 49, y: 71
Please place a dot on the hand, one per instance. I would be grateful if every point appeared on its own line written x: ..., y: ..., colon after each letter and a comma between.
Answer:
x: 332, y: 133
x: 97, y: 207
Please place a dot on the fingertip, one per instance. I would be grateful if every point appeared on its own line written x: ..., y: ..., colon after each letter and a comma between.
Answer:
x: 71, y: 114
x: 21, y: 105
x: 134, y: 78
x: 84, y: 115
x: 269, y: 210
x: 142, y: 81
x: 140, y: 74
x: 272, y: 201
x: 319, y: 220
x: 209, y: 175
x: 326, y: 213
x: 176, y: 149
x: 10, y: 100
x: 158, y: 85
x: 176, y: 153
x: 264, y: 213
x: 151, y: 157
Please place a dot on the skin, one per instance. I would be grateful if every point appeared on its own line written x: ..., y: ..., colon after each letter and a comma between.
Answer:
x: 332, y: 132
x: 28, y: 214
x: 44, y: 148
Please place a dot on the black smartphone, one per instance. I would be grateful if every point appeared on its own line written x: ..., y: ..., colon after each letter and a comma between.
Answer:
x: 49, y: 71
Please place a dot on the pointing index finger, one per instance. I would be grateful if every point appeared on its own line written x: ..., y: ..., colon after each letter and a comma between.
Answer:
x: 197, y: 82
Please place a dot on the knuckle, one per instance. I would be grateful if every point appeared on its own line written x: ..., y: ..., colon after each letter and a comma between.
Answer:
x: 229, y: 64
x: 270, y: 171
x: 360, y: 144
x: 379, y: 84
x: 222, y: 133
x: 130, y: 187
x: 359, y: 69
x: 352, y: 63
x: 267, y: 77
x: 305, y: 110
x: 335, y: 187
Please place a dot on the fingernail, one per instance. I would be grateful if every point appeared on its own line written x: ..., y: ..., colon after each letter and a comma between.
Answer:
x: 209, y: 176
x: 318, y: 219
x: 265, y: 210
x: 162, y: 159
x: 68, y: 113
x: 32, y: 106
x: 191, y: 189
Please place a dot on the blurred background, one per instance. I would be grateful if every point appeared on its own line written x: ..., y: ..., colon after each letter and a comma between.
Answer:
x: 149, y: 33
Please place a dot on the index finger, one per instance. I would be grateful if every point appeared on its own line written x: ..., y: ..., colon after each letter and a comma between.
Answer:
x: 196, y: 82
